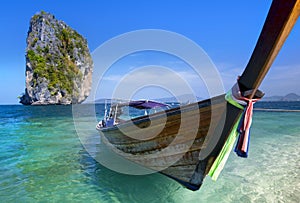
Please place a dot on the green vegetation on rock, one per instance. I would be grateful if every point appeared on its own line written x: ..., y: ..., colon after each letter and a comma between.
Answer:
x: 59, y: 65
x: 61, y: 75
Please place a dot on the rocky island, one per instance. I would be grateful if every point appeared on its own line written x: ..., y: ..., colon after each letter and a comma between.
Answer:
x: 58, y: 63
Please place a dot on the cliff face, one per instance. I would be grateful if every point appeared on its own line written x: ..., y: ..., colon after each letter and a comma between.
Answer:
x: 58, y: 63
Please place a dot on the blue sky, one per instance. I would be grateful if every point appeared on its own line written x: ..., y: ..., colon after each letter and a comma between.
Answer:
x: 226, y: 30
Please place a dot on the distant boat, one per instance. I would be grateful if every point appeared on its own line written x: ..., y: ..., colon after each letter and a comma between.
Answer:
x: 187, y: 138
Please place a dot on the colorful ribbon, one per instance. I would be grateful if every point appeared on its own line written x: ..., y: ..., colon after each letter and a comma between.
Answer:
x: 242, y: 146
x: 241, y: 129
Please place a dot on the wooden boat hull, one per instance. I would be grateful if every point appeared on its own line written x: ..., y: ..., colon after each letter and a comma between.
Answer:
x: 185, y: 149
x: 181, y: 143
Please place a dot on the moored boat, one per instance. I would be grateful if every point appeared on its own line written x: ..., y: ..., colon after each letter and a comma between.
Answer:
x: 188, y: 142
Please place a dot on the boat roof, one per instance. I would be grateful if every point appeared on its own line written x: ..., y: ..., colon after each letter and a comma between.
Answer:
x: 144, y: 104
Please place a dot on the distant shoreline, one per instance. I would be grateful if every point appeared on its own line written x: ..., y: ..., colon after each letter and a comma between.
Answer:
x: 286, y: 98
x: 276, y: 110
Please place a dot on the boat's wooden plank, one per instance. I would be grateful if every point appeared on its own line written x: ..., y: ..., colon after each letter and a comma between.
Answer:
x: 204, y: 106
x: 171, y: 127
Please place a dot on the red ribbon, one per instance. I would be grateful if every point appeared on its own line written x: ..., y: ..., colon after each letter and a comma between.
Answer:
x: 245, y: 128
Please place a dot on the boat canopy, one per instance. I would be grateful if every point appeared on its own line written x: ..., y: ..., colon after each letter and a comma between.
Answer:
x: 146, y: 104
x: 116, y: 114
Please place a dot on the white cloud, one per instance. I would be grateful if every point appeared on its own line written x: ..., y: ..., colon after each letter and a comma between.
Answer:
x: 229, y: 73
x: 112, y: 78
x: 176, y: 62
x: 280, y: 80
x: 178, y: 83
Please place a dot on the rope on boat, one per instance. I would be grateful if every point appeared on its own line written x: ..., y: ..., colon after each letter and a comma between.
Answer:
x: 241, y: 129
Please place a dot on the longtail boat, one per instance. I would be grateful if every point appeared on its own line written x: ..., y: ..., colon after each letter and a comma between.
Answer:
x: 191, y: 141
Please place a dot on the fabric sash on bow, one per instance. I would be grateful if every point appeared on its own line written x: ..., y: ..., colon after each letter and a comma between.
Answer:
x: 242, y: 146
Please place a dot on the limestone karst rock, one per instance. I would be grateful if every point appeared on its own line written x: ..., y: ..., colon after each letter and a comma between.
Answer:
x: 58, y: 63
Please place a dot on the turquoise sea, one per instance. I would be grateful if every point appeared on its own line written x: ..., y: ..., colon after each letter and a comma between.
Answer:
x: 42, y: 160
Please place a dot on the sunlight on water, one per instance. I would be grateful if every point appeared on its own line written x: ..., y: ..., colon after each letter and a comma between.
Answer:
x: 42, y: 159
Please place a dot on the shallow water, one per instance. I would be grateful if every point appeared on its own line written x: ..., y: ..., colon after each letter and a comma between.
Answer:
x: 42, y: 159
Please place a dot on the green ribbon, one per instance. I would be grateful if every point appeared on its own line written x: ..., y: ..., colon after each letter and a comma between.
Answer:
x: 220, y: 161
x: 222, y: 158
x: 233, y: 102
